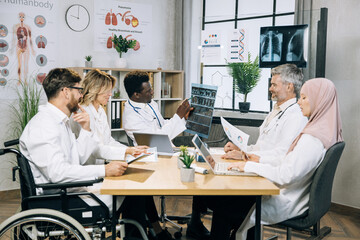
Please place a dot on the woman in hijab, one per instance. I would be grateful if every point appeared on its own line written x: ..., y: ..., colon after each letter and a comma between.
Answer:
x: 318, y: 102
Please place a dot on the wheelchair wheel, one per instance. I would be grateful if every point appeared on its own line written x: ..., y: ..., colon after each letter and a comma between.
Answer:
x: 42, y: 224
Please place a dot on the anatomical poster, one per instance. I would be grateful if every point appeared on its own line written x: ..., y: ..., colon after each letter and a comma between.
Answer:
x: 130, y: 20
x: 28, y: 37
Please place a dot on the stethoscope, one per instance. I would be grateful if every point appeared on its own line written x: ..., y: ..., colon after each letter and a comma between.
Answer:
x: 278, y: 115
x: 135, y: 109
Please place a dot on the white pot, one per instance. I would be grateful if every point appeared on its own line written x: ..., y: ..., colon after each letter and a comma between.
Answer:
x: 187, y: 174
x: 121, y: 63
x: 88, y: 64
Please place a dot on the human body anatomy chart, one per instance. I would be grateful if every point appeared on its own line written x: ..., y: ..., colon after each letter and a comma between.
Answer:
x: 27, y: 42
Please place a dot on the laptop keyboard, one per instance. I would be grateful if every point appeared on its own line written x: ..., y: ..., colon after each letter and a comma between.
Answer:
x: 221, y: 167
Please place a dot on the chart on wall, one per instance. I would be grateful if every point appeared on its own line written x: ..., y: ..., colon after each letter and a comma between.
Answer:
x: 131, y: 20
x: 28, y: 36
x: 203, y: 101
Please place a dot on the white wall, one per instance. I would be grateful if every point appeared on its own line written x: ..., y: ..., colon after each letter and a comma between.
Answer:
x: 342, y: 67
x: 74, y: 46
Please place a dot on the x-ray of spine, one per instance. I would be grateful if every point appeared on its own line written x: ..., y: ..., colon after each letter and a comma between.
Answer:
x: 270, y: 43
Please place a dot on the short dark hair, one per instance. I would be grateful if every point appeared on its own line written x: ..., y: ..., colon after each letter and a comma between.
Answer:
x: 57, y: 79
x: 133, y: 82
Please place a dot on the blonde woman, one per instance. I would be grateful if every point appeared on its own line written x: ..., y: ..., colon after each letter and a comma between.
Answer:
x: 97, y: 89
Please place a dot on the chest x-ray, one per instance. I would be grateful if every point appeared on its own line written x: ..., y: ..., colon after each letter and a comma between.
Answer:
x: 283, y: 44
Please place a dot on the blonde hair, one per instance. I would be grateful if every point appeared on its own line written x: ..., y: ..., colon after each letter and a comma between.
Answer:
x: 94, y: 83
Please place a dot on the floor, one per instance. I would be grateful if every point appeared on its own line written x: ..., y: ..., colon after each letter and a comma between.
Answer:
x: 344, y: 222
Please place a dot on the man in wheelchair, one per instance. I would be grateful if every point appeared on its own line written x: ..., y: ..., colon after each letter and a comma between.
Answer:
x: 56, y: 156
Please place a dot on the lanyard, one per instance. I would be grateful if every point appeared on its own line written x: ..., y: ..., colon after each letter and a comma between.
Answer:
x: 135, y: 109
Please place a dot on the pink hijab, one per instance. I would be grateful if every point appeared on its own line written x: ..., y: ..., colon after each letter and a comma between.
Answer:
x: 324, y: 121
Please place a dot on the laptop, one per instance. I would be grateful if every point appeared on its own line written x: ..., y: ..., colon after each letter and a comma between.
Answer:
x: 160, y: 141
x: 218, y: 168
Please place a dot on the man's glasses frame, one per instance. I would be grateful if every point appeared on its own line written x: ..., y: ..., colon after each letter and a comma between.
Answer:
x: 80, y: 89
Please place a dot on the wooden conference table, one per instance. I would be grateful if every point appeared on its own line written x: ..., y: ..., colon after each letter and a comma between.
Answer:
x: 163, y: 178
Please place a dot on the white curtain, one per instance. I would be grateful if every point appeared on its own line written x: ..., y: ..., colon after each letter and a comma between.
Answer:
x: 192, y: 13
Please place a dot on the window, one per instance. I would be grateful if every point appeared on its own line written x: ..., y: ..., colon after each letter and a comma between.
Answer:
x: 251, y: 15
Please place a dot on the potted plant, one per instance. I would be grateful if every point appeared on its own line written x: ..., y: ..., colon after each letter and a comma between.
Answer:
x: 88, y: 62
x: 122, y: 45
x: 246, y: 76
x: 187, y: 173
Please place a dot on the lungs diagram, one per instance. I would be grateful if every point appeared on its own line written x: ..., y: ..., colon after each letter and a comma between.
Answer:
x: 126, y: 17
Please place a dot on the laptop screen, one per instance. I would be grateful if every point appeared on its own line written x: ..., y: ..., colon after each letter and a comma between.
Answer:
x: 204, y: 151
x: 160, y: 141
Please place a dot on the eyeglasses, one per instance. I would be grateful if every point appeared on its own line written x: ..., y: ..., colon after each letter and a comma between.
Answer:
x: 80, y: 89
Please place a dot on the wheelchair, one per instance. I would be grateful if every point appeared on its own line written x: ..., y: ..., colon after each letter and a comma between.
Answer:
x: 59, y: 213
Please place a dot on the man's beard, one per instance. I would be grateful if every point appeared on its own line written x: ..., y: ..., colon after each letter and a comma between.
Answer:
x: 73, y: 105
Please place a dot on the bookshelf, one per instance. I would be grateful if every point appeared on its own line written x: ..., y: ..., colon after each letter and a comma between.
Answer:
x: 168, y: 88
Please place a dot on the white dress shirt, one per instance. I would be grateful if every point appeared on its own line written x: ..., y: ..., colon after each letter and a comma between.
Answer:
x: 55, y: 155
x: 293, y: 176
x: 277, y: 134
x: 146, y: 118
x: 109, y: 148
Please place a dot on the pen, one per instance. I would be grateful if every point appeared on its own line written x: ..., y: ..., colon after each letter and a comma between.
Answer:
x: 189, y: 98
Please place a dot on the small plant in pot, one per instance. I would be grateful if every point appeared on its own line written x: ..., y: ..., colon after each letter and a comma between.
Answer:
x: 122, y: 45
x: 187, y: 173
x: 246, y: 76
x: 88, y: 62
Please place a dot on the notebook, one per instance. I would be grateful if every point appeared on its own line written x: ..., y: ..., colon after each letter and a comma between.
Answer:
x: 218, y: 168
x: 160, y: 141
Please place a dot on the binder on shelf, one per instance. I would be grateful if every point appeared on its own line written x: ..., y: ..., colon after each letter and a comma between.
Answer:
x: 122, y: 111
x: 118, y: 114
x: 113, y: 114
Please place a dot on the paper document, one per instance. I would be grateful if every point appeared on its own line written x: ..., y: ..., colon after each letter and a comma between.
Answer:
x: 151, y: 157
x: 236, y: 136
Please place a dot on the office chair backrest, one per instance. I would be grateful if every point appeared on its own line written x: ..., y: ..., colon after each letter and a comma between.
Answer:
x: 321, y: 187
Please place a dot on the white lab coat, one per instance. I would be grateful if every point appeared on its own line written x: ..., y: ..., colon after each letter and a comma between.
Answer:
x: 109, y: 147
x: 55, y: 155
x: 293, y: 176
x: 146, y: 118
x: 275, y: 139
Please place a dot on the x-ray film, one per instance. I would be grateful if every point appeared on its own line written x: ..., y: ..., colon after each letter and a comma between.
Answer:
x: 283, y: 44
x: 203, y: 101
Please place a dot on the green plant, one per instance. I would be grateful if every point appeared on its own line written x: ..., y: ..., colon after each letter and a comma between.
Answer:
x: 246, y: 75
x: 185, y: 157
x: 122, y: 45
x: 88, y: 58
x: 24, y: 107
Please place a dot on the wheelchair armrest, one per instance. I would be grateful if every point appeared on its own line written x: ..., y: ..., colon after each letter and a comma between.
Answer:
x: 11, y: 143
x: 68, y: 185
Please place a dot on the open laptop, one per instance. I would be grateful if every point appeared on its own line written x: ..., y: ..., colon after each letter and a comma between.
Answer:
x: 218, y: 168
x: 160, y: 141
